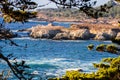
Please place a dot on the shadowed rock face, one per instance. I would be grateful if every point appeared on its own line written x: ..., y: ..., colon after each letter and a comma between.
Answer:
x: 118, y: 36
x: 105, y: 35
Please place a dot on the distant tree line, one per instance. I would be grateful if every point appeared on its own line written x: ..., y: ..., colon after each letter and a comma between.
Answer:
x: 112, y: 12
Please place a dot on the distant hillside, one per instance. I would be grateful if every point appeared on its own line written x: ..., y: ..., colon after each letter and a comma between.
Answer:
x: 114, y: 12
x: 53, y: 14
x: 60, y: 14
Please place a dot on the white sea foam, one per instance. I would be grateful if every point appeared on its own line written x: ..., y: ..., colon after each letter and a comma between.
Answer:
x: 107, y: 41
x: 35, y: 21
x: 74, y: 69
x: 53, y: 74
x: 63, y: 64
x: 14, y: 30
x: 43, y: 61
x: 69, y: 40
x: 21, y: 38
x: 19, y: 31
x: 35, y: 72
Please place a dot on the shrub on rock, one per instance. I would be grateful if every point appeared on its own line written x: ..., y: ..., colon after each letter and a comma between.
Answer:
x: 111, y: 48
x: 90, y: 46
x: 101, y: 47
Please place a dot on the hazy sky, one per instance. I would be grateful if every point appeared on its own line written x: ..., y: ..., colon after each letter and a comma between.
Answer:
x: 52, y: 5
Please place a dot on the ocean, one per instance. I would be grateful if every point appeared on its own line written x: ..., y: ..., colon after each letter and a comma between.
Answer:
x: 51, y: 58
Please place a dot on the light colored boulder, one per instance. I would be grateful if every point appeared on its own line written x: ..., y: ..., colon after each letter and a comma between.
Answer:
x: 118, y: 36
x: 80, y: 34
x: 73, y: 34
x: 62, y: 36
x: 45, y: 31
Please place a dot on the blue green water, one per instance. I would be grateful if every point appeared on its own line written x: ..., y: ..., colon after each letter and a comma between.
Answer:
x: 53, y: 57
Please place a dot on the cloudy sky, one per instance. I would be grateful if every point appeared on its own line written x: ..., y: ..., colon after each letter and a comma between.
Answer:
x: 52, y: 5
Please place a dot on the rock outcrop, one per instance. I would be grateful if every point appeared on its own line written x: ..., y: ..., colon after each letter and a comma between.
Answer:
x: 99, y: 31
x: 80, y: 34
x: 73, y: 35
x: 45, y: 31
x: 62, y: 36
x: 106, y: 35
x: 58, y: 32
x: 75, y: 32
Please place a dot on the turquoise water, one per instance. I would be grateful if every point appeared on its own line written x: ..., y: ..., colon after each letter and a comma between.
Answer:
x: 53, y: 57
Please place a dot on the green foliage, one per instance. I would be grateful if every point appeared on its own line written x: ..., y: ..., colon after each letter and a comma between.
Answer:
x: 74, y: 3
x: 111, y: 48
x: 62, y: 13
x: 90, y: 46
x: 113, y: 12
x: 17, y: 10
x: 73, y: 13
x: 109, y: 9
x: 12, y: 11
x: 6, y: 33
x: 23, y: 16
x: 107, y: 70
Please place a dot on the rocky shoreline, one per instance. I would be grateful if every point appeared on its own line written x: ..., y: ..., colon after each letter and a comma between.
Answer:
x: 75, y: 32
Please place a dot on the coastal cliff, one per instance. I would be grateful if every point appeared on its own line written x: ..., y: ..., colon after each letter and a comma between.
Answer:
x: 75, y: 32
